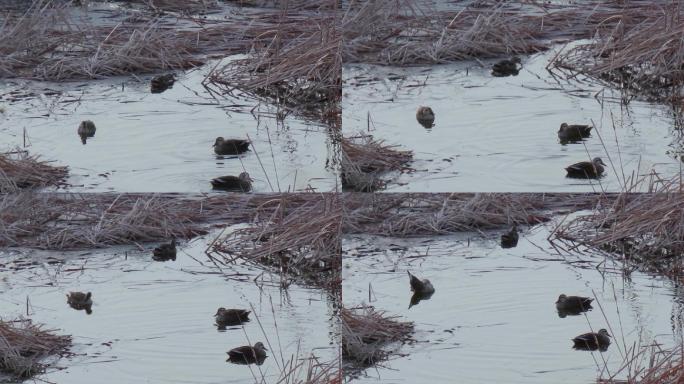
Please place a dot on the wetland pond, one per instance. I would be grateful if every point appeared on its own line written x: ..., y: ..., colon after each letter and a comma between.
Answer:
x: 153, y: 321
x: 492, y: 318
x: 499, y: 134
x: 161, y: 142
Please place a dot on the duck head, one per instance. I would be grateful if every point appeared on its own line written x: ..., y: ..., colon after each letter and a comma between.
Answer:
x: 219, y: 141
x: 260, y: 345
x: 597, y: 160
x: 245, y: 176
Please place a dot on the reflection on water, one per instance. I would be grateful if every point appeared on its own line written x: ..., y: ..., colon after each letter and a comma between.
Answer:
x: 162, y: 142
x: 495, y: 319
x: 500, y: 134
x: 156, y: 320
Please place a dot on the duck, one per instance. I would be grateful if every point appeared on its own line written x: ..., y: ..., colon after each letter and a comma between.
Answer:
x: 248, y: 354
x: 242, y: 183
x: 86, y: 129
x: 161, y: 83
x: 573, y: 132
x: 592, y: 341
x: 165, y: 252
x: 506, y: 67
x: 230, y: 146
x: 586, y: 169
x: 573, y: 304
x: 425, y: 116
x: 231, y: 316
x: 510, y: 238
x: 80, y: 300
x: 421, y: 287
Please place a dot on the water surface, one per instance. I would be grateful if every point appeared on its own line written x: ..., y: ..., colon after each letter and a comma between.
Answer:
x: 492, y: 317
x: 500, y: 134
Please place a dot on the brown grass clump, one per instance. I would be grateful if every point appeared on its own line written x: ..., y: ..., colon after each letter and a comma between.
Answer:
x: 646, y: 230
x: 421, y: 214
x: 49, y: 43
x: 363, y: 160
x: 82, y: 221
x: 365, y: 332
x: 301, y: 242
x: 24, y: 346
x: 643, y: 53
x: 295, y: 60
x: 310, y: 370
x: 19, y: 170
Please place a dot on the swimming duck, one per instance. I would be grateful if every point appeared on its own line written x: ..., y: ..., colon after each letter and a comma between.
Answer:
x: 510, y: 238
x: 86, y: 129
x: 231, y: 316
x: 242, y: 183
x: 506, y: 67
x: 573, y: 304
x: 422, y: 287
x: 230, y: 146
x: 586, y: 169
x: 165, y: 251
x: 592, y: 341
x: 248, y: 354
x: 575, y: 132
x: 425, y: 116
x: 161, y: 83
x: 80, y: 300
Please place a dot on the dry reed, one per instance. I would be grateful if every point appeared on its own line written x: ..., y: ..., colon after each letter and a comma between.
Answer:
x: 301, y: 242
x: 363, y: 160
x: 366, y: 332
x: 19, y: 170
x: 81, y: 221
x: 24, y: 346
x: 650, y: 364
x: 421, y: 214
x: 412, y: 32
x: 642, y: 54
x: 645, y: 229
x: 310, y: 370
x: 295, y: 61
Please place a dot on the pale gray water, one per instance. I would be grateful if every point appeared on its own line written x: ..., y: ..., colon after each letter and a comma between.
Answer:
x: 500, y: 134
x: 162, y: 142
x: 492, y: 318
x: 153, y: 322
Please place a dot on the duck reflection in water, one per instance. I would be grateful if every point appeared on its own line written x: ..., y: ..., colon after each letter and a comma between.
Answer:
x: 417, y: 297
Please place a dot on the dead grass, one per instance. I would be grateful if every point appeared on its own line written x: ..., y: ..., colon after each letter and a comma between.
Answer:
x: 645, y: 230
x: 421, y: 214
x: 19, y: 170
x: 82, y: 221
x: 414, y: 32
x: 650, y: 364
x: 301, y: 242
x: 364, y: 160
x: 366, y: 333
x: 642, y: 53
x: 295, y: 60
x: 24, y: 346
